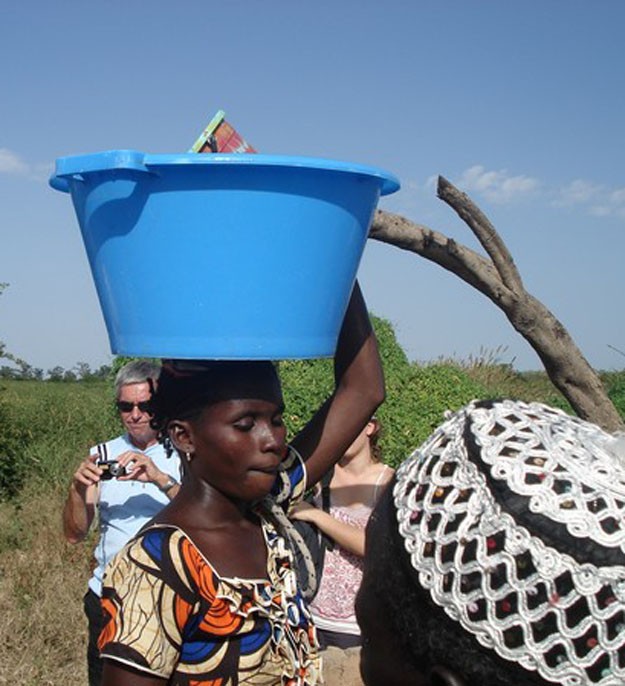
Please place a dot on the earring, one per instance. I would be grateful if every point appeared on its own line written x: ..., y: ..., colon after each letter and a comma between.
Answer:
x: 188, y: 456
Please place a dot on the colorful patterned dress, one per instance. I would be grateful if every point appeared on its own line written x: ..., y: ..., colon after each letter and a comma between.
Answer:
x: 170, y: 614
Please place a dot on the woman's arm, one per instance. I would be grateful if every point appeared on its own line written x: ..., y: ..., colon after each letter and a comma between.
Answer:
x: 349, y: 537
x: 115, y: 674
x: 359, y: 390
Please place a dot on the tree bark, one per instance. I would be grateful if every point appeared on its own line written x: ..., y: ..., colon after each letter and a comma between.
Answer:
x: 497, y: 277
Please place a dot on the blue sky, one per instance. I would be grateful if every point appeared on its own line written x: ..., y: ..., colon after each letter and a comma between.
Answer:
x: 521, y: 104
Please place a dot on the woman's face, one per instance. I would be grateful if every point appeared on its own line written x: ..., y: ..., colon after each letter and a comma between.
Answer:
x: 362, y: 442
x: 238, y: 445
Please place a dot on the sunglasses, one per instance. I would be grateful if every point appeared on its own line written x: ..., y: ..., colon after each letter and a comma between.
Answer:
x: 127, y: 406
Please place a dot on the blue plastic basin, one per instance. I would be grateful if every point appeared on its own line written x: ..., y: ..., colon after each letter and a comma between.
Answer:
x: 222, y: 256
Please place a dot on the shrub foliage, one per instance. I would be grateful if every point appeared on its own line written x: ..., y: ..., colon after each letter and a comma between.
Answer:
x: 46, y: 427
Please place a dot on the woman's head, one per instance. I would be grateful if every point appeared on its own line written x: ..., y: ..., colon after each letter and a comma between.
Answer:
x: 225, y: 418
x: 186, y: 387
x: 367, y: 441
x: 499, y: 555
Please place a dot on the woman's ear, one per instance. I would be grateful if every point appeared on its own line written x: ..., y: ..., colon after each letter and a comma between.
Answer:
x: 372, y: 428
x: 441, y: 676
x: 181, y: 435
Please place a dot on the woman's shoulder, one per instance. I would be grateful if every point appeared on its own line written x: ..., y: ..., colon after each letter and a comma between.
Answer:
x: 384, y: 476
x: 290, y: 480
x: 154, y: 530
x: 383, y: 472
x: 156, y: 542
x: 169, y: 552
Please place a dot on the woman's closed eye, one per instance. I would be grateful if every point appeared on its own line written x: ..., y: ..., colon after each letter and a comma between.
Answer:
x: 245, y: 424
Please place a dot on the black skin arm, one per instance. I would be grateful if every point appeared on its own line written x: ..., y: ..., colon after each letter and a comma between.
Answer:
x: 117, y: 674
x: 359, y: 391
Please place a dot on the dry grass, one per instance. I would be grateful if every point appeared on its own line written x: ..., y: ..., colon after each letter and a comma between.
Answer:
x: 501, y: 380
x: 43, y: 579
x: 42, y: 582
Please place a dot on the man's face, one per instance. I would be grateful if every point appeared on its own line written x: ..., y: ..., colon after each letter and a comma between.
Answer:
x: 135, y: 419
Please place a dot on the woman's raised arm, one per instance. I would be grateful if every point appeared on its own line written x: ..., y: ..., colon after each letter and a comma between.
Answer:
x: 359, y: 390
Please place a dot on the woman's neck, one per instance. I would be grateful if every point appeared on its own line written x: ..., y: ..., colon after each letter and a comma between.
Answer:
x: 360, y: 463
x: 209, y: 505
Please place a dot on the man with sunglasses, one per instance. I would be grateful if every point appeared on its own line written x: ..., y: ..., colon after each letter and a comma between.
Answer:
x: 128, y: 480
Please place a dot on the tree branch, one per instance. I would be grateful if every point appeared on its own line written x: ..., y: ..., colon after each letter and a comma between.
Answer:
x: 484, y: 231
x: 499, y: 279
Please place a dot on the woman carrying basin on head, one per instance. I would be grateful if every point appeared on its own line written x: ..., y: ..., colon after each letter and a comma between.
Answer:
x: 207, y: 593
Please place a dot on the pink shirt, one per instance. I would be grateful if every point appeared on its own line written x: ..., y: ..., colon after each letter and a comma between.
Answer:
x: 333, y: 606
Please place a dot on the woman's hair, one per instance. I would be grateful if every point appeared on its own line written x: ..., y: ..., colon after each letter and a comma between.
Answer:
x: 136, y: 371
x: 426, y: 636
x: 501, y: 549
x: 186, y: 387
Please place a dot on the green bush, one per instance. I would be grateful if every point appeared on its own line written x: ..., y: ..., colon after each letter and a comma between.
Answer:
x: 47, y: 428
x: 615, y: 385
x: 13, y: 442
x: 416, y: 402
x: 416, y: 397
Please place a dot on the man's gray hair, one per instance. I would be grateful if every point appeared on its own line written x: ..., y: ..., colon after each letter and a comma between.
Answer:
x: 137, y: 371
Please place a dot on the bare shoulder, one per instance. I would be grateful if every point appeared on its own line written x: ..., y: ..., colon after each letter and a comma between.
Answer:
x: 384, y: 472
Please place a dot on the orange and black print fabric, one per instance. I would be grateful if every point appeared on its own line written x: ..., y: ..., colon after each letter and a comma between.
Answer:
x: 169, y: 613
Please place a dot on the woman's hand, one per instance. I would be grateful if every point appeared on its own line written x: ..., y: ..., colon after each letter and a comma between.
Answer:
x: 345, y: 535
x: 305, y: 512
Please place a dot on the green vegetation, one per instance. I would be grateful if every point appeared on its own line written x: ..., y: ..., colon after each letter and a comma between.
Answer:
x: 47, y: 426
x: 417, y: 396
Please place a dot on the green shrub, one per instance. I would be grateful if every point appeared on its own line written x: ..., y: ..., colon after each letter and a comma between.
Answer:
x: 615, y: 385
x: 416, y: 397
x: 416, y: 403
x: 13, y: 442
x: 47, y: 428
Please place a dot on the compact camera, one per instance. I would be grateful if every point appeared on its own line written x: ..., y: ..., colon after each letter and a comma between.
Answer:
x: 112, y: 469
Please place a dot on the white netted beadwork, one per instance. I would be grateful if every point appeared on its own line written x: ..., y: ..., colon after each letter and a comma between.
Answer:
x: 471, y: 505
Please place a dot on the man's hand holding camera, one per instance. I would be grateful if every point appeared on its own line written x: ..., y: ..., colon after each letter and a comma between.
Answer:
x: 139, y: 467
x: 87, y: 474
x: 129, y: 466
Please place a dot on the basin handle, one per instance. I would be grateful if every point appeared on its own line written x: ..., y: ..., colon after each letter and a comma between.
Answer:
x: 76, y: 168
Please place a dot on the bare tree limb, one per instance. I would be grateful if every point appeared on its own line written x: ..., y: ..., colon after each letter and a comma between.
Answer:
x: 470, y: 266
x: 499, y: 280
x: 484, y: 231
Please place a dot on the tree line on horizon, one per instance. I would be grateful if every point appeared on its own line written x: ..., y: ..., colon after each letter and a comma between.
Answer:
x: 82, y: 371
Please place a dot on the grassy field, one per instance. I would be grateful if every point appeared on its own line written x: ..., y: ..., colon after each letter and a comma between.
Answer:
x: 42, y: 578
x: 46, y: 429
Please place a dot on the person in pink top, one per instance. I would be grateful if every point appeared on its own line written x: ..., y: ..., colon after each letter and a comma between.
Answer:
x: 358, y: 480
